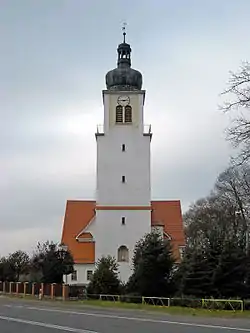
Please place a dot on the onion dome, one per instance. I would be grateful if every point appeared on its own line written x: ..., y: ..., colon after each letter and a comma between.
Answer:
x: 124, y: 77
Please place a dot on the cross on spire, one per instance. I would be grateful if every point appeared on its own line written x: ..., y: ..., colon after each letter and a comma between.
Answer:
x: 124, y: 32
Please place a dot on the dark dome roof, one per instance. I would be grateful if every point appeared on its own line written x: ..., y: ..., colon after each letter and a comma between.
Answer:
x: 124, y: 77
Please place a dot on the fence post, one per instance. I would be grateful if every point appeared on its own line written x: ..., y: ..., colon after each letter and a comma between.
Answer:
x: 42, y: 289
x: 4, y: 287
x: 33, y: 289
x: 24, y: 289
x: 17, y: 288
x: 65, y: 292
x: 52, y: 294
x: 10, y: 291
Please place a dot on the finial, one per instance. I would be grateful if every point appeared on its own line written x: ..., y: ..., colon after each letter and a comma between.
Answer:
x: 124, y: 32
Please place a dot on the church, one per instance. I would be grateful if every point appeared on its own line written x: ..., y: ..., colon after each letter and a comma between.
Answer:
x: 122, y: 212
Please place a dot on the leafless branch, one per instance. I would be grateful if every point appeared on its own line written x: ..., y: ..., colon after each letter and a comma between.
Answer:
x: 238, y: 93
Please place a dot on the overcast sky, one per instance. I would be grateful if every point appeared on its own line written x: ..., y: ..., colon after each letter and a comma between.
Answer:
x: 54, y: 57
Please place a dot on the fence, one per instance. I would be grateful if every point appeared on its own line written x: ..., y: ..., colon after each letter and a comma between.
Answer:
x: 159, y: 301
x: 208, y: 304
x: 224, y: 304
x: 66, y: 292
x: 41, y: 290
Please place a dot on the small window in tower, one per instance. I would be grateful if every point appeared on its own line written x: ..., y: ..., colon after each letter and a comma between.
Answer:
x: 123, y: 220
x: 119, y: 114
x: 123, y: 147
x: 123, y: 179
x: 128, y: 114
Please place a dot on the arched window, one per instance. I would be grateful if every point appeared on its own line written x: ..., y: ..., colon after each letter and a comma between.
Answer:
x: 123, y: 254
x: 128, y: 114
x: 119, y: 114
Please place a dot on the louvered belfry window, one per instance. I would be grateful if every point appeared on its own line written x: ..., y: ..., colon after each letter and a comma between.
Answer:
x: 128, y: 114
x: 123, y: 114
x: 119, y: 114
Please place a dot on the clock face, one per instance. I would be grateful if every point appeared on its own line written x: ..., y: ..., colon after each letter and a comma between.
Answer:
x: 123, y: 100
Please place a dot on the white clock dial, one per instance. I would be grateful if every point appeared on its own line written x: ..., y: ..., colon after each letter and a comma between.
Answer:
x: 123, y: 100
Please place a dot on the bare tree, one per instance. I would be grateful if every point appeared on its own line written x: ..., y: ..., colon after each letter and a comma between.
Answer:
x: 233, y: 186
x: 222, y: 214
x: 238, y: 98
x: 210, y: 222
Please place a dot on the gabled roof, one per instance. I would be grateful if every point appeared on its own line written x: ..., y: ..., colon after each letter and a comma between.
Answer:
x: 79, y: 215
x: 169, y: 214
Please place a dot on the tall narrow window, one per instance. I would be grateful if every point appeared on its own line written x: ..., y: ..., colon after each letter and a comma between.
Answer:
x: 123, y: 254
x: 123, y: 220
x: 119, y: 114
x: 123, y: 147
x: 128, y: 114
x: 89, y: 275
x: 123, y: 179
x: 74, y: 276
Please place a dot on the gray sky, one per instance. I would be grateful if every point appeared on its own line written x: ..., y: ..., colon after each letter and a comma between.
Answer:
x: 54, y: 57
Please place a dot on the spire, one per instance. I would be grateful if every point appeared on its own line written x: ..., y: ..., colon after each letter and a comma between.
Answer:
x: 124, y: 32
x: 124, y: 51
x: 124, y: 78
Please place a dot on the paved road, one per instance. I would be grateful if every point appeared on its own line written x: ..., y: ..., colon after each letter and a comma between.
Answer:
x: 43, y: 317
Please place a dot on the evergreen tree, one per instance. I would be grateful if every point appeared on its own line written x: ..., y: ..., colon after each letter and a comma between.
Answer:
x: 216, y: 262
x: 195, y: 274
x: 247, y: 277
x: 153, y: 266
x: 219, y: 273
x: 229, y: 275
x: 105, y: 279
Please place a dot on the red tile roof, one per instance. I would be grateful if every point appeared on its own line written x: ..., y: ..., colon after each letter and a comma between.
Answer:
x: 169, y: 214
x: 78, y: 214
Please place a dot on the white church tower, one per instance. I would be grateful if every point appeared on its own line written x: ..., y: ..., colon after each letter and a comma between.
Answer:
x: 123, y: 190
x: 122, y: 212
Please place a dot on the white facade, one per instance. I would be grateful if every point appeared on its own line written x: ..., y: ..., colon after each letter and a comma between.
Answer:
x: 81, y: 274
x: 113, y: 163
x: 123, y: 193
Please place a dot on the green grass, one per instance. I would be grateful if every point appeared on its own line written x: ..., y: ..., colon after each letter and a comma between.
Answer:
x: 172, y: 310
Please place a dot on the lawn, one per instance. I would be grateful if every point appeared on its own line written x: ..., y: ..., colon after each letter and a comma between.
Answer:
x: 172, y: 310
